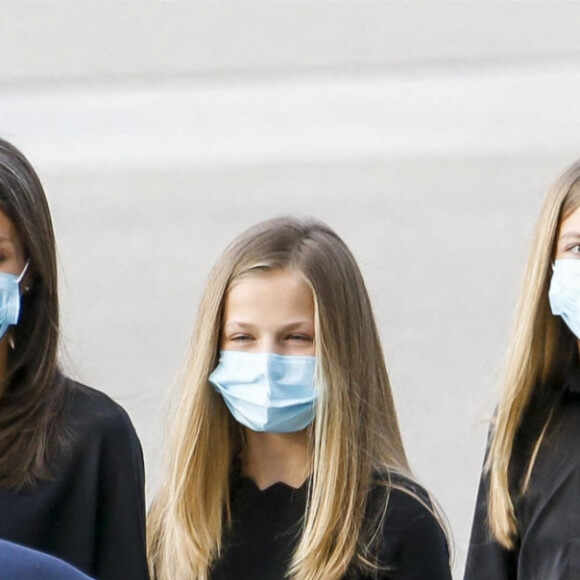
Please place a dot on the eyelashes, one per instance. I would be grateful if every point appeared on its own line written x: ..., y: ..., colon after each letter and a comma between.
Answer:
x: 240, y: 338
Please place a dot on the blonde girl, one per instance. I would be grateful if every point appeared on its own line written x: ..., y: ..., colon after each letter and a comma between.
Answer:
x: 285, y: 457
x: 527, y: 523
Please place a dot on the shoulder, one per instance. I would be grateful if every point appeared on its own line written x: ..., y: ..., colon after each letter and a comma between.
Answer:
x: 101, y: 433
x: 409, y: 508
x: 411, y: 529
x: 90, y: 405
x: 20, y: 562
x: 400, y: 492
x: 94, y: 417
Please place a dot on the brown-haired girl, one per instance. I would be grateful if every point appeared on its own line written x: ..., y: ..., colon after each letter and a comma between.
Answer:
x: 285, y: 458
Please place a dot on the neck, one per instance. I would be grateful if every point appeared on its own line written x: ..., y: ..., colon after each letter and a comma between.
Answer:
x: 270, y: 458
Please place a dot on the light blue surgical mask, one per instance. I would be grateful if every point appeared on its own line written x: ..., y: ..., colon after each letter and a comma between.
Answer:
x: 564, y: 293
x: 265, y: 391
x: 10, y: 299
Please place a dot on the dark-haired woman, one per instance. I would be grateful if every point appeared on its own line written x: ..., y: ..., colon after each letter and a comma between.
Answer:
x: 71, y: 466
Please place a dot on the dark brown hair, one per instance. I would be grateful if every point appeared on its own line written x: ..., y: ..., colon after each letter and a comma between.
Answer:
x: 32, y: 431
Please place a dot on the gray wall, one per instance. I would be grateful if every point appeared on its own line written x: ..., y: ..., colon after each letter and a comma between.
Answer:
x: 92, y: 41
x: 425, y: 133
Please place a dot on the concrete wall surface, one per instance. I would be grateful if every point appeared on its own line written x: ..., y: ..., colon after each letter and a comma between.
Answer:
x: 425, y: 133
x: 91, y: 41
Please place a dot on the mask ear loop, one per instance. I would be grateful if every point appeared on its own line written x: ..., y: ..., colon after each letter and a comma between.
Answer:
x: 11, y: 343
x: 26, y: 288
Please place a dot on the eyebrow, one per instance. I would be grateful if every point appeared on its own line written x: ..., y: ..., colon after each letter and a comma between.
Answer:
x: 249, y: 325
x: 567, y: 235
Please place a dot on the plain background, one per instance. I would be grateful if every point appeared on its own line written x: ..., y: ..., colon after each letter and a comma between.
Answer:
x: 425, y: 133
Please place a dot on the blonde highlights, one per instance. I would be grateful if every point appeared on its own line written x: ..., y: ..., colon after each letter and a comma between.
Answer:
x: 355, y: 434
x: 540, y: 350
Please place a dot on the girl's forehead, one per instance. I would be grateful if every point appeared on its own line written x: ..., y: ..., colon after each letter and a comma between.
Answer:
x: 570, y: 223
x: 268, y: 273
x: 282, y: 286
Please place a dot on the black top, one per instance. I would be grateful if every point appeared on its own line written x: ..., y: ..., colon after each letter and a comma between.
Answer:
x: 267, y: 524
x: 19, y: 563
x: 92, y: 514
x: 548, y: 514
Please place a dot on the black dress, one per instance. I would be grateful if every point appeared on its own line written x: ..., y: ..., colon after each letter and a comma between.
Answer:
x: 267, y: 525
x: 92, y: 514
x: 547, y: 545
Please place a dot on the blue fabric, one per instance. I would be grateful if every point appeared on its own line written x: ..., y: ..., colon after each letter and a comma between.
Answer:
x: 9, y: 299
x: 20, y: 563
x: 266, y: 391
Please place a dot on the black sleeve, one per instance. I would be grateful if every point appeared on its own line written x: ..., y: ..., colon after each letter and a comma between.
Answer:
x: 486, y: 559
x: 120, y: 534
x: 414, y: 544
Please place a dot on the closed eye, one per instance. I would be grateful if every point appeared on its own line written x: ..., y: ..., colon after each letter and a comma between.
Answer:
x: 240, y: 338
x: 300, y: 338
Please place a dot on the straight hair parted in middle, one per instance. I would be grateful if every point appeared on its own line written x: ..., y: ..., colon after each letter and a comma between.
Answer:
x: 32, y: 430
x: 354, y: 436
x: 540, y: 352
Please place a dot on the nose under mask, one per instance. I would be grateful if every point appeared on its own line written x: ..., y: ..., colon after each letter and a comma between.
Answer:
x: 267, y: 392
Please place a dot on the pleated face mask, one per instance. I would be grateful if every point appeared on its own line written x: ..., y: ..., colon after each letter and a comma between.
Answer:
x: 9, y: 299
x: 564, y: 294
x: 265, y: 391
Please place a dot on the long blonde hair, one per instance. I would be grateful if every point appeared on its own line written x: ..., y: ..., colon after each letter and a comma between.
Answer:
x: 354, y: 435
x: 540, y: 351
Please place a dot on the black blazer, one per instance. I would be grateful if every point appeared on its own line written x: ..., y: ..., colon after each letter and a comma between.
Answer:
x: 548, y: 514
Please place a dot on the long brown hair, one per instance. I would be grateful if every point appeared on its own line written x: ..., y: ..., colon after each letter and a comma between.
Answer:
x: 540, y: 351
x: 355, y: 433
x: 31, y: 406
